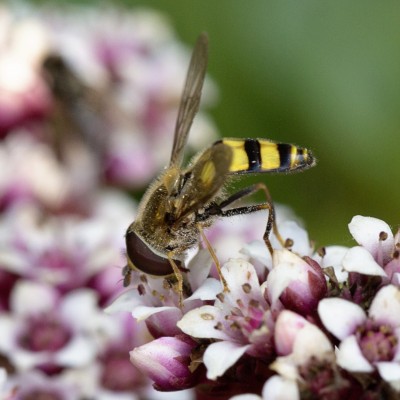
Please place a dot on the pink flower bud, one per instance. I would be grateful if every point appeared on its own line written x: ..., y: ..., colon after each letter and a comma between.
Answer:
x: 166, y: 361
x: 298, y: 282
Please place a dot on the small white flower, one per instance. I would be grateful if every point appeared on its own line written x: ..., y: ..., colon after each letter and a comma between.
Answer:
x: 308, y: 343
x: 240, y: 319
x: 367, y: 343
x: 44, y: 330
x: 307, y: 351
x: 62, y: 251
x: 36, y: 383
x: 374, y: 235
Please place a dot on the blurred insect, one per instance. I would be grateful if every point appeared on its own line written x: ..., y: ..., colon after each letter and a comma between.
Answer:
x: 181, y: 202
x: 80, y: 113
x: 80, y: 124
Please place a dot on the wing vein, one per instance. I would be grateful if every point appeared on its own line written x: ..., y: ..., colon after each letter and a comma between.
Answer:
x: 190, y: 100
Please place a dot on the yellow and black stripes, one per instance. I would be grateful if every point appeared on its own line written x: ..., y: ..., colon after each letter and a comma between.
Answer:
x: 253, y: 151
x: 261, y: 155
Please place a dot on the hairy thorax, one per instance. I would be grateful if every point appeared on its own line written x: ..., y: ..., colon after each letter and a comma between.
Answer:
x: 160, y: 223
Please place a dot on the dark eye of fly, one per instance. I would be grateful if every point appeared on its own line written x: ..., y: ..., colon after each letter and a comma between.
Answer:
x: 144, y: 259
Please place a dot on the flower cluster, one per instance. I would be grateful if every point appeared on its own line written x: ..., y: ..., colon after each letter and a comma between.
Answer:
x: 300, y: 324
x: 87, y: 98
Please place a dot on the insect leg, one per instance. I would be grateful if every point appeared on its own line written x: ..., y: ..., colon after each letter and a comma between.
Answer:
x: 178, y: 276
x: 214, y: 256
x: 253, y: 208
x: 271, y: 223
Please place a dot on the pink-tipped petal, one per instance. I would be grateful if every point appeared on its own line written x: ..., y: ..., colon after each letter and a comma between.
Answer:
x: 385, y: 307
x: 340, y: 317
x: 283, y: 273
x: 358, y: 259
x: 287, y: 327
x: 166, y: 361
x: 367, y: 231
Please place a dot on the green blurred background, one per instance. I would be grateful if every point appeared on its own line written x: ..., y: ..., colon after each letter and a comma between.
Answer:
x: 320, y: 74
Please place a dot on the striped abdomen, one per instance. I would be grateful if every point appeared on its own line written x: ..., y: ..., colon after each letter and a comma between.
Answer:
x: 261, y: 155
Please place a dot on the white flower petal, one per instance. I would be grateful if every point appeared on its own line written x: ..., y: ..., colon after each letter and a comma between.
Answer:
x: 101, y: 257
x: 220, y: 356
x: 396, y: 279
x: 311, y: 342
x: 238, y: 272
x: 107, y: 395
x: 199, y: 268
x: 86, y: 379
x: 386, y: 305
x: 285, y: 367
x: 26, y: 360
x: 245, y: 397
x: 12, y: 261
x: 287, y: 268
x: 340, y: 316
x: 366, y: 231
x: 153, y: 394
x: 301, y: 243
x: 29, y: 297
x: 358, y: 259
x: 8, y: 329
x: 143, y: 312
x: 79, y: 306
x: 200, y: 323
x: 287, y: 327
x: 333, y: 258
x: 350, y: 357
x: 278, y: 388
x: 242, y: 280
x: 207, y: 291
x: 389, y: 371
x: 78, y: 353
x: 258, y: 250
x: 126, y: 301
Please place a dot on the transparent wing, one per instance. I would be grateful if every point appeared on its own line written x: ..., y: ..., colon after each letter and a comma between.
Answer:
x: 190, y: 98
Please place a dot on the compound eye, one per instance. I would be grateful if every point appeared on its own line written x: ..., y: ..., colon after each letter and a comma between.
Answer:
x: 144, y: 259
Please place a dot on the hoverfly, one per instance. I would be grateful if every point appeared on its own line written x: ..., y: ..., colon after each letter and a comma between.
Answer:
x: 80, y: 113
x: 181, y: 202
